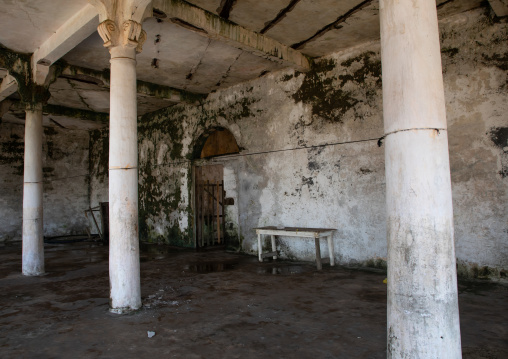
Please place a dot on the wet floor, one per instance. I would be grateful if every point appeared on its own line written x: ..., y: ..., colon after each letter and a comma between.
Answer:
x: 215, y: 305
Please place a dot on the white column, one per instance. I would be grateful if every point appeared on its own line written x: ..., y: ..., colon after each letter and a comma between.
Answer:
x: 123, y: 183
x: 423, y: 318
x: 33, y: 244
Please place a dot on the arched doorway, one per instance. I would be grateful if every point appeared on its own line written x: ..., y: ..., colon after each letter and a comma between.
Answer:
x: 210, y: 196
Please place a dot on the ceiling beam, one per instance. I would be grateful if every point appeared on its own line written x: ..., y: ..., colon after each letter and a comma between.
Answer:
x: 216, y: 28
x: 98, y: 117
x: 101, y: 78
x: 64, y: 111
x: 7, y: 87
x: 69, y: 35
x: 500, y: 7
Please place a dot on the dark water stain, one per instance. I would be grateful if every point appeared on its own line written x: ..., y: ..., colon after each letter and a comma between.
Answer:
x: 372, y: 295
x: 309, y: 181
x: 153, y: 249
x: 479, y: 287
x: 210, y: 267
x: 499, y: 136
x: 282, y: 270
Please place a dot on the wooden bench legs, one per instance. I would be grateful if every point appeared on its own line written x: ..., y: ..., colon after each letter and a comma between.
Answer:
x: 318, y: 254
x: 319, y: 260
x: 331, y: 251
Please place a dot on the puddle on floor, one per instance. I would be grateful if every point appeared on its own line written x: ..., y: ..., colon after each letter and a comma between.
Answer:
x: 281, y: 270
x: 148, y: 258
x: 210, y: 267
x: 155, y: 251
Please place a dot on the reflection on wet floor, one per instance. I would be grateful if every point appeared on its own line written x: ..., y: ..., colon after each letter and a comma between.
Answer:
x: 281, y: 270
x: 154, y: 251
x: 210, y: 267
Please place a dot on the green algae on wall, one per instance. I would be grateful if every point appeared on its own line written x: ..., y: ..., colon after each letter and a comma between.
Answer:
x: 99, y: 154
x: 12, y: 153
x: 19, y: 66
x: 164, y: 211
x: 329, y: 94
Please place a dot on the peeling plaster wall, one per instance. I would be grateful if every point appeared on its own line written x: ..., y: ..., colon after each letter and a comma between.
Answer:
x: 65, y: 169
x: 310, y: 154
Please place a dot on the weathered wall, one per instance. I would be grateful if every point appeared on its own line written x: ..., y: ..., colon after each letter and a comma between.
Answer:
x: 11, y: 181
x: 475, y: 67
x: 65, y: 169
x: 98, y: 166
x: 310, y: 153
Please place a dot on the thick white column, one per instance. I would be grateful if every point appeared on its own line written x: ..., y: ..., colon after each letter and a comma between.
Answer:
x: 33, y: 244
x: 122, y: 32
x: 423, y: 318
x: 123, y: 183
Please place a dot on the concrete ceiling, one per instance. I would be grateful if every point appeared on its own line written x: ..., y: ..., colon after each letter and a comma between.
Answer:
x: 192, y: 60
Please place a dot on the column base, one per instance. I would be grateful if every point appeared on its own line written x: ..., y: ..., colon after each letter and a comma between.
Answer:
x: 126, y: 310
x: 34, y: 274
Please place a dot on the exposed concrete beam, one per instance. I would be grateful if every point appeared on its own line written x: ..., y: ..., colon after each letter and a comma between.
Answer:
x: 216, y: 28
x: 68, y: 36
x: 56, y: 110
x: 63, y: 111
x: 5, y: 106
x: 7, y: 87
x: 101, y: 78
x: 500, y: 7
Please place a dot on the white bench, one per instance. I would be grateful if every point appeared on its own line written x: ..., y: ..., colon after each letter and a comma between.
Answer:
x: 316, y: 233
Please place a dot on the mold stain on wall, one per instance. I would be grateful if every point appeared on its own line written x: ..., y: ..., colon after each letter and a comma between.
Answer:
x: 312, y: 138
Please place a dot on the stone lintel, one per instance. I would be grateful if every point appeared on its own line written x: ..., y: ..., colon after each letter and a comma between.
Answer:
x: 216, y: 28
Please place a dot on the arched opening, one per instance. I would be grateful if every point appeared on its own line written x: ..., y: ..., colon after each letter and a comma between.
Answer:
x: 215, y: 142
x: 210, y: 196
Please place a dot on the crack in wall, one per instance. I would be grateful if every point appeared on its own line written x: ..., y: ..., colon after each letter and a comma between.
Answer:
x: 225, y: 8
x: 333, y: 25
x: 226, y: 74
x: 195, y: 68
x: 79, y: 95
x: 281, y: 15
x: 28, y: 16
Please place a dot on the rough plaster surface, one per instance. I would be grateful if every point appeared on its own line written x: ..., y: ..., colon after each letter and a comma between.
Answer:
x: 65, y: 170
x: 310, y: 154
x: 475, y: 65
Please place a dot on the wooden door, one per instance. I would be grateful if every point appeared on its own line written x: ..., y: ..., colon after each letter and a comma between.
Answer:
x: 209, y: 205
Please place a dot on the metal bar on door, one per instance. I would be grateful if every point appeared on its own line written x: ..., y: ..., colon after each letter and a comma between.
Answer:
x: 218, y: 214
x: 223, y: 212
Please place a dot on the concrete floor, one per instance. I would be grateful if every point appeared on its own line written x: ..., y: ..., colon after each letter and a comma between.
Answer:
x: 215, y: 305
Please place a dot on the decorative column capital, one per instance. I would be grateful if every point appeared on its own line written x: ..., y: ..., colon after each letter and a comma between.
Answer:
x: 130, y: 34
x: 121, y: 22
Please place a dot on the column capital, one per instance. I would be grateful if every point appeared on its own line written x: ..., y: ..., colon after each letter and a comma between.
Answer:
x: 129, y: 34
x: 121, y: 22
x: 33, y: 96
